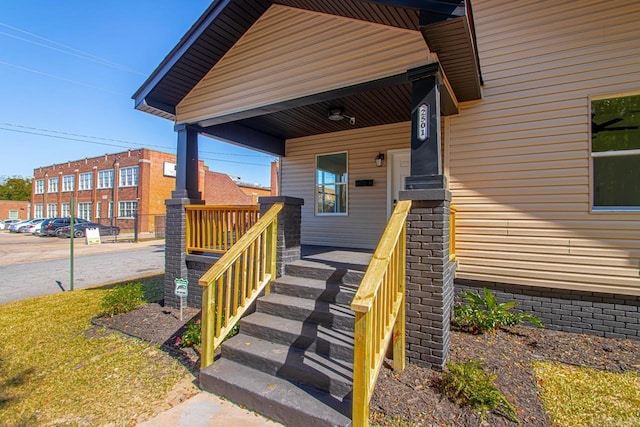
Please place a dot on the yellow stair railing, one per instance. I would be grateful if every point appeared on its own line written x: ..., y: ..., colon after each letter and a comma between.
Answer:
x: 216, y: 228
x: 234, y: 282
x: 379, y: 307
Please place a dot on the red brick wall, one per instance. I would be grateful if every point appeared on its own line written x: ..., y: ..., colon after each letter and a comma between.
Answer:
x: 219, y: 189
x: 13, y: 205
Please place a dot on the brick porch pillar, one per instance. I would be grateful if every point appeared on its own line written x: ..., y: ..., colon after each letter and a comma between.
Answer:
x: 429, y: 276
x: 289, y: 224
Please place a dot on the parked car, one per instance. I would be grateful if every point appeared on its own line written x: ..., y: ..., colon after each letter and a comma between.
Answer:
x: 14, y: 226
x: 51, y: 225
x: 79, y: 230
x: 22, y: 227
x: 4, y: 225
x: 31, y: 227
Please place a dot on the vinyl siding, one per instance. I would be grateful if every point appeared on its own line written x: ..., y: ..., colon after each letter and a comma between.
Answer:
x: 290, y: 53
x: 519, y: 160
x: 367, y: 206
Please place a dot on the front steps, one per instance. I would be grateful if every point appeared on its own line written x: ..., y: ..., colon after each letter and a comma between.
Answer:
x: 293, y: 358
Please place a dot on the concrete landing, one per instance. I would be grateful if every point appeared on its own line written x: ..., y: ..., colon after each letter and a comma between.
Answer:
x: 208, y: 410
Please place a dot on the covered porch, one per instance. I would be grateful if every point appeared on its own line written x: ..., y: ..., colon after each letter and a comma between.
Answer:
x: 352, y: 99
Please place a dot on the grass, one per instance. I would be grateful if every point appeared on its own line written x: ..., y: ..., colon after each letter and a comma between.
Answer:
x: 577, y: 396
x: 56, y: 368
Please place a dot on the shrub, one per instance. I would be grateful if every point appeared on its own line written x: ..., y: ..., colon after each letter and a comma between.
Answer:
x: 483, y: 313
x: 123, y: 299
x: 192, y: 335
x: 468, y: 384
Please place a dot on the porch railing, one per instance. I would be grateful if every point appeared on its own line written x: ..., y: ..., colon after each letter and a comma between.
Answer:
x: 452, y: 233
x: 216, y: 228
x: 234, y: 282
x: 379, y: 306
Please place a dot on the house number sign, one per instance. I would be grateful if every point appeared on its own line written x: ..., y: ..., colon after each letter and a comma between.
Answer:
x: 423, y: 122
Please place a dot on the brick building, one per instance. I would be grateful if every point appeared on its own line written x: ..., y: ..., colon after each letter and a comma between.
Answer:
x: 134, y: 181
x: 14, y: 209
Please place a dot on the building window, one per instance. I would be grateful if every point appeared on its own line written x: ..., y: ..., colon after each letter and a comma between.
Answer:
x: 129, y: 177
x: 110, y: 213
x: 105, y: 179
x: 14, y: 214
x: 38, y: 211
x: 39, y: 186
x: 85, y: 181
x: 331, y: 184
x: 98, y: 207
x: 67, y: 182
x: 615, y: 153
x: 65, y: 210
x: 127, y: 209
x: 53, y: 185
x: 84, y: 211
x: 52, y: 210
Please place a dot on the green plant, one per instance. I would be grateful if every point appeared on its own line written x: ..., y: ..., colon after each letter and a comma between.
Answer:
x: 470, y: 385
x: 483, y: 313
x: 192, y: 335
x: 123, y: 299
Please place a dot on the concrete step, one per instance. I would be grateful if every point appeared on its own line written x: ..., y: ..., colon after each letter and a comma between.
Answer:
x: 334, y: 343
x: 276, y: 398
x: 324, y: 313
x: 320, y: 271
x: 315, y: 289
x: 303, y: 367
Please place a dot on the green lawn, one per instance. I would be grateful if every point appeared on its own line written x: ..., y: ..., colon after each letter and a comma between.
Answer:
x: 55, y: 367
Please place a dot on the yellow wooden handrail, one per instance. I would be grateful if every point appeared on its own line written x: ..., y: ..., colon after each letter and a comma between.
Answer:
x: 234, y: 282
x: 216, y: 228
x: 452, y: 232
x: 379, y: 306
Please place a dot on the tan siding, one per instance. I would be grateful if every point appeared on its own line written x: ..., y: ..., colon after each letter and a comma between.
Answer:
x: 519, y: 159
x: 367, y: 205
x: 291, y: 53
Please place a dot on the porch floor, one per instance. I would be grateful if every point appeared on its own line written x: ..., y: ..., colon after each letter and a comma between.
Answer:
x: 338, y: 258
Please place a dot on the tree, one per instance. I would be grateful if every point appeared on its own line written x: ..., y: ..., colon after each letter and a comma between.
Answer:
x: 15, y: 188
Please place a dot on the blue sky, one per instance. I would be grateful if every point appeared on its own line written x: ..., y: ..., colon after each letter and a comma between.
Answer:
x: 67, y: 73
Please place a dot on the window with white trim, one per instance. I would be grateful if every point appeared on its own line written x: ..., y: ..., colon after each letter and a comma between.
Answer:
x: 53, y: 185
x: 98, y: 207
x: 85, y: 181
x: 67, y: 182
x: 129, y: 177
x: 127, y: 209
x: 110, y: 213
x: 52, y: 210
x: 105, y: 178
x: 331, y: 184
x: 38, y: 211
x: 84, y: 210
x: 14, y: 214
x: 65, y: 210
x: 39, y: 186
x: 615, y: 153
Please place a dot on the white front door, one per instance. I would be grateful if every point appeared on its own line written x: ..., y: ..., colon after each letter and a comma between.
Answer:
x: 398, y: 168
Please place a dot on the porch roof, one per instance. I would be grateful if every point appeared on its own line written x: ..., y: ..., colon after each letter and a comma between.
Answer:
x: 446, y: 26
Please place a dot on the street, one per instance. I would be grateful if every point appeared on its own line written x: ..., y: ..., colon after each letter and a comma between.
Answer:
x: 32, y: 266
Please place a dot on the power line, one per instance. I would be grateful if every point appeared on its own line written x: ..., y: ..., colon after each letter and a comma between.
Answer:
x: 60, y: 78
x: 82, y: 54
x: 68, y: 138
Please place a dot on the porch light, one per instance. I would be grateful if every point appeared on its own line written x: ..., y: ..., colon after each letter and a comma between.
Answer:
x: 337, y: 113
x: 379, y: 159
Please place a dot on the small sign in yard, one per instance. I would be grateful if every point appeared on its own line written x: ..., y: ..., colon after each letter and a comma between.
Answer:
x: 182, y: 292
x: 92, y: 236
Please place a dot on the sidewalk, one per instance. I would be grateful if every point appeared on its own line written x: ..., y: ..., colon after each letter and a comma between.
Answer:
x: 208, y: 410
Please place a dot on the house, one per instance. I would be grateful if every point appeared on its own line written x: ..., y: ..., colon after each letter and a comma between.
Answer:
x: 524, y: 115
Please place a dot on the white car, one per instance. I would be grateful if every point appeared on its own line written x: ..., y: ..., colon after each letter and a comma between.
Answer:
x: 28, y: 227
x: 4, y: 225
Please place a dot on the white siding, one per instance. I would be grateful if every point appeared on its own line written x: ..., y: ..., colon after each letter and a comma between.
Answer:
x: 367, y: 205
x: 519, y: 159
x: 290, y: 53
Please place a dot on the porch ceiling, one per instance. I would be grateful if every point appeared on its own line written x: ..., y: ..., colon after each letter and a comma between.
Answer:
x: 225, y: 21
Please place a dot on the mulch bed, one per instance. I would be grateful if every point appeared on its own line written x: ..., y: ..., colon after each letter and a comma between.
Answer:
x: 411, y: 396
